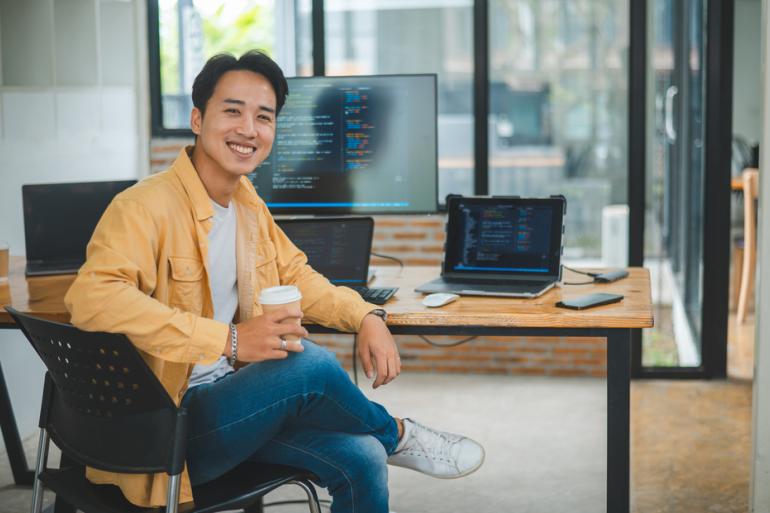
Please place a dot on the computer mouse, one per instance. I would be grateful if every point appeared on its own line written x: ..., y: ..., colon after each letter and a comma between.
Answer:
x: 438, y: 299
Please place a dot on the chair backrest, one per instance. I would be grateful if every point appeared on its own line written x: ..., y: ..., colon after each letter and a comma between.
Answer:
x: 102, y: 405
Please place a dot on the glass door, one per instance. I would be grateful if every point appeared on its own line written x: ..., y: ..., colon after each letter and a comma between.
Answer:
x: 675, y: 180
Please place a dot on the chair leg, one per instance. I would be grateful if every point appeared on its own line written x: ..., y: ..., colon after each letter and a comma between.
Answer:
x: 42, y: 459
x: 736, y: 279
x: 747, y: 283
x: 312, y: 497
x: 172, y: 493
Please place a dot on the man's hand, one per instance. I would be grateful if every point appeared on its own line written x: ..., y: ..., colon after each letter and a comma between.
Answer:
x: 259, y: 338
x: 377, y: 351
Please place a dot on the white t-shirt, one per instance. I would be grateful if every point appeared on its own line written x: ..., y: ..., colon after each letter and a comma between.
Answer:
x: 223, y: 281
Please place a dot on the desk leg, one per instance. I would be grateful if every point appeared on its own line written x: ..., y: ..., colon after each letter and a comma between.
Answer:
x: 22, y: 475
x: 618, y: 420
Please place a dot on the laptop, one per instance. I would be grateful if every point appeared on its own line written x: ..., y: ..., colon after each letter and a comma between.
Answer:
x: 59, y: 219
x: 339, y: 248
x: 501, y: 246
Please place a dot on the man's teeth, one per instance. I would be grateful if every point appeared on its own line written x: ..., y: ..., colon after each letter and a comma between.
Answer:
x: 245, y: 150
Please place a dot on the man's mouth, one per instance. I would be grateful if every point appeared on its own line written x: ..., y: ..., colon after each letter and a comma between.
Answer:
x: 241, y: 149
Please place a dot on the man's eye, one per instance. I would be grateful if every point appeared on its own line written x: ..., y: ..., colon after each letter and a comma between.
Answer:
x: 231, y: 111
x: 265, y: 117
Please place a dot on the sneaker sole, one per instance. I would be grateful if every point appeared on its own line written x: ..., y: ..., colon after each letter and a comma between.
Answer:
x: 458, y: 476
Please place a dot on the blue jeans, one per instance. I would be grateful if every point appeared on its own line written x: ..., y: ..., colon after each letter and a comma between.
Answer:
x: 303, y: 411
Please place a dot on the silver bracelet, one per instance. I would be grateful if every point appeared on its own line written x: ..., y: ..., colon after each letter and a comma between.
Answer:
x: 233, y: 344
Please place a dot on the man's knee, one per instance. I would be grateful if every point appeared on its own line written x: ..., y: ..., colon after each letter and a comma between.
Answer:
x: 317, y: 356
x: 366, y: 465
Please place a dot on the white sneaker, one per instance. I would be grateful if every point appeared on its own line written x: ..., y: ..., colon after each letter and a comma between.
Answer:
x: 436, y: 453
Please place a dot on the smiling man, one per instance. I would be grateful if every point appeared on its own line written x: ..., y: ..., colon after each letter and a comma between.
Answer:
x: 177, y: 263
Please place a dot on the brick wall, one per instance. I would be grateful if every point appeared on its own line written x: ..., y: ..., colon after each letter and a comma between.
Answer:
x: 418, y: 240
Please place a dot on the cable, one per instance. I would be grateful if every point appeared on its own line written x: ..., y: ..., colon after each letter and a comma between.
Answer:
x: 322, y: 502
x: 450, y: 344
x: 586, y: 273
x: 388, y: 257
x: 355, y: 365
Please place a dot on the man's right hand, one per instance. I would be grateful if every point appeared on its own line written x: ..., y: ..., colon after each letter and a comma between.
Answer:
x: 259, y: 338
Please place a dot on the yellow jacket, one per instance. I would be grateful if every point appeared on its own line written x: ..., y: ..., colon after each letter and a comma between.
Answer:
x: 146, y: 276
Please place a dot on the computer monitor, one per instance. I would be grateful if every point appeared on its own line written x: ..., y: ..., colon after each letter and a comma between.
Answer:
x: 362, y: 144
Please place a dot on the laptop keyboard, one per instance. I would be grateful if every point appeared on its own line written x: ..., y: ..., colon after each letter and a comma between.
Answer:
x: 378, y: 296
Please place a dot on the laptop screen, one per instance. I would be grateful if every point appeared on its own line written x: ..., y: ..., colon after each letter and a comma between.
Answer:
x: 504, y: 236
x: 60, y: 218
x: 338, y: 248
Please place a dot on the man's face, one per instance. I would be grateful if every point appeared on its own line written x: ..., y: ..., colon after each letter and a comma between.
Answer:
x: 237, y: 131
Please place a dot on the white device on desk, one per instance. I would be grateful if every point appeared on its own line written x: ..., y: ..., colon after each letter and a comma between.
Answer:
x: 501, y: 246
x: 438, y: 299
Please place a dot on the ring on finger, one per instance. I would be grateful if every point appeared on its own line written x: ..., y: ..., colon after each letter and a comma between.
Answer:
x: 284, y: 344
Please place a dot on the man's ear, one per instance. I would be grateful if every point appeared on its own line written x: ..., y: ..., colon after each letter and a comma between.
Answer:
x: 196, y: 117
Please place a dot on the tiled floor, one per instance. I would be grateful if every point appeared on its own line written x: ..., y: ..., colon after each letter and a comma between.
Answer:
x: 545, y: 446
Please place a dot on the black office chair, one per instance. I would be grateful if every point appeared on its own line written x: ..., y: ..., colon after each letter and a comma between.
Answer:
x: 103, y: 407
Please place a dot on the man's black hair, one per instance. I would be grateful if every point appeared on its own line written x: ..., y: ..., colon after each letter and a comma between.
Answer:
x: 253, y: 60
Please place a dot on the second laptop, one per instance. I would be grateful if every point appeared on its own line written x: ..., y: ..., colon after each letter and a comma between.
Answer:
x: 501, y: 246
x: 338, y: 248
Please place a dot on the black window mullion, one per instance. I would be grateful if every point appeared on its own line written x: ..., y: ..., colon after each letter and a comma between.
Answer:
x: 481, y: 96
x: 153, y: 31
x: 636, y: 180
x: 716, y: 200
x: 319, y: 35
x: 637, y: 97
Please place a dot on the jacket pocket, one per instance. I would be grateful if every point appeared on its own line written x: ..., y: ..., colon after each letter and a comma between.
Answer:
x: 266, y: 267
x: 186, y: 286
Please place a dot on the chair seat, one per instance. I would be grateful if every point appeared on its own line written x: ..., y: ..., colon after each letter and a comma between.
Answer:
x: 238, y: 489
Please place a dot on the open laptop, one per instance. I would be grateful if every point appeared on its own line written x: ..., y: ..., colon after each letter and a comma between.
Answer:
x: 339, y: 248
x: 501, y: 246
x: 59, y: 219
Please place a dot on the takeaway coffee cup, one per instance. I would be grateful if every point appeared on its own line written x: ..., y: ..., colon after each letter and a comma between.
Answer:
x: 4, y: 258
x: 273, y: 298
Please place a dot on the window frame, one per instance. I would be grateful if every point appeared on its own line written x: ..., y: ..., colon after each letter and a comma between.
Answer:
x: 156, y: 98
x: 719, y: 115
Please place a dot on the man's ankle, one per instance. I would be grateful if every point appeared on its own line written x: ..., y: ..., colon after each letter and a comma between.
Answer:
x: 400, y: 425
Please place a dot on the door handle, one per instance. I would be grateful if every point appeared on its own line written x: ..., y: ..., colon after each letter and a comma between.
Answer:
x: 669, y: 112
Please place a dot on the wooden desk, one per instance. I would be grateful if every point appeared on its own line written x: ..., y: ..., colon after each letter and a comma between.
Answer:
x: 466, y: 316
x: 539, y: 317
x: 406, y: 310
x: 42, y: 296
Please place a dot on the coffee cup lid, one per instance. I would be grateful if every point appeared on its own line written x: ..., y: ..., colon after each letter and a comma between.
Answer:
x: 279, y: 295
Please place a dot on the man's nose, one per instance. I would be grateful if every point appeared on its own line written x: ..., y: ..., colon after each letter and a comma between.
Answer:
x: 248, y: 127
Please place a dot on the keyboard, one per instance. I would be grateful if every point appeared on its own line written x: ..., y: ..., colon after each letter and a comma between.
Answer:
x: 378, y: 296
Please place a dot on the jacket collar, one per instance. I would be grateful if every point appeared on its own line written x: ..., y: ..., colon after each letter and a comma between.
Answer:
x: 184, y: 169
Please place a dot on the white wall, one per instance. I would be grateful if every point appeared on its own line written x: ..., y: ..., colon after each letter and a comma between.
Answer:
x: 72, y: 80
x: 760, y: 475
x: 747, y: 119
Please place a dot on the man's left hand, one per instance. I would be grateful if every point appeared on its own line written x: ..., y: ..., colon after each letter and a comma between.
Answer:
x: 377, y: 351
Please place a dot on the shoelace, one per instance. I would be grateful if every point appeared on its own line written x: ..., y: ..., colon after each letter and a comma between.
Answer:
x: 426, y: 442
